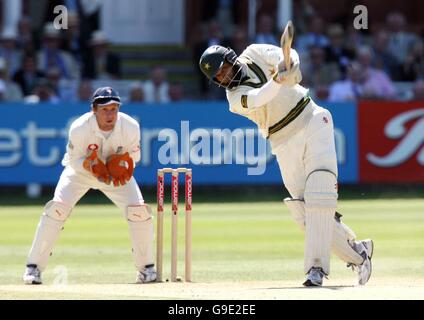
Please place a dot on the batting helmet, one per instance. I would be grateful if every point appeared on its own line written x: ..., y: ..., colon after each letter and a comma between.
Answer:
x: 213, y: 59
x: 105, y: 96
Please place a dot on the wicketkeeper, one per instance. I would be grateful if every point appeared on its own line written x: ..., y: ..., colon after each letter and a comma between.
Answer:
x: 103, y: 147
x: 260, y: 87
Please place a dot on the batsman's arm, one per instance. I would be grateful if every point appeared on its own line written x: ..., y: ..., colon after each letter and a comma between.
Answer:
x: 244, y: 101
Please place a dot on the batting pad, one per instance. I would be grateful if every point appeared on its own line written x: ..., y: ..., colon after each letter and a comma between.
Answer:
x: 343, y: 236
x: 343, y: 244
x: 297, y: 210
x: 140, y: 223
x: 48, y: 230
x: 320, y: 206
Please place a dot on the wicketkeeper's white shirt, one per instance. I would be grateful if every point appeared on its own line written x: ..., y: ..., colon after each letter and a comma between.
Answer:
x: 85, y: 133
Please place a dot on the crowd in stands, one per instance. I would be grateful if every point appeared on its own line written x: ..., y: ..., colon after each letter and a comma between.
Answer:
x: 66, y: 64
x: 338, y: 63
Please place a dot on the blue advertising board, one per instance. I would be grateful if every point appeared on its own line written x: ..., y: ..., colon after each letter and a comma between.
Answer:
x: 220, y: 147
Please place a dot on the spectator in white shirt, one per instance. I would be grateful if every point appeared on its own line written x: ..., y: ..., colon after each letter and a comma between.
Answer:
x: 156, y: 88
x: 10, y: 52
x: 10, y: 90
x: 350, y: 89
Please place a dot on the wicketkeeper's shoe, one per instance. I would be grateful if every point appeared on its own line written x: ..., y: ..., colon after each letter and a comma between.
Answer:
x: 314, y: 277
x: 32, y: 274
x: 148, y: 274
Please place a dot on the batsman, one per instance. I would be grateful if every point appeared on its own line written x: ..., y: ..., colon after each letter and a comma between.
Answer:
x: 103, y: 146
x: 262, y: 84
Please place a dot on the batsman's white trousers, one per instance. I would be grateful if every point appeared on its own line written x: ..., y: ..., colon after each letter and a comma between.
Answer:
x: 310, y: 149
x: 307, y: 153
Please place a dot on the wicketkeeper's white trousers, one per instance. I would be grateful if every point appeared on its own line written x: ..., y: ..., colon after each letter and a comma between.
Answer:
x: 73, y: 185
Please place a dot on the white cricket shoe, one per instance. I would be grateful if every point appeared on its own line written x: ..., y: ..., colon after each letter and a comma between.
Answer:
x: 32, y: 275
x: 365, y: 248
x: 148, y: 274
x: 314, y: 277
x: 365, y: 269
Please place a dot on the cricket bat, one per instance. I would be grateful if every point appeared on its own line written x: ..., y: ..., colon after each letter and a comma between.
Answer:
x: 286, y: 42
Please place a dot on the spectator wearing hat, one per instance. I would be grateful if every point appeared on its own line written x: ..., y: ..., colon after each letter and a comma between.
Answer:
x: 51, y: 56
x: 11, y: 91
x: 136, y: 92
x: 9, y: 51
x: 101, y: 63
x: 28, y: 75
x: 337, y: 52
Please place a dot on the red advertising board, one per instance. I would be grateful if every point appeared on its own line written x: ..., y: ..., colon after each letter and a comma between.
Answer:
x: 391, y: 142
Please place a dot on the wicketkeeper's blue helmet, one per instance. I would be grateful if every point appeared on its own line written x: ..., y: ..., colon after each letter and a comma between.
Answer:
x: 105, y: 96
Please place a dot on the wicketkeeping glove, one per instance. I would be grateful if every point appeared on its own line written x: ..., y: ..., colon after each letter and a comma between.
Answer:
x: 96, y: 166
x: 121, y: 168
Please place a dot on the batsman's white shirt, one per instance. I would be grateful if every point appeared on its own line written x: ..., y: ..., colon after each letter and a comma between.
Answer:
x: 85, y: 134
x: 304, y: 145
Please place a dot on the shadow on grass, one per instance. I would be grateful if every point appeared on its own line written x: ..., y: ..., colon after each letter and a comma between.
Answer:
x: 16, y: 196
x: 340, y: 287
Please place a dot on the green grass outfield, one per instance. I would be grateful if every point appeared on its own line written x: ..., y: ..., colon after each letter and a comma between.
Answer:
x: 238, y: 242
